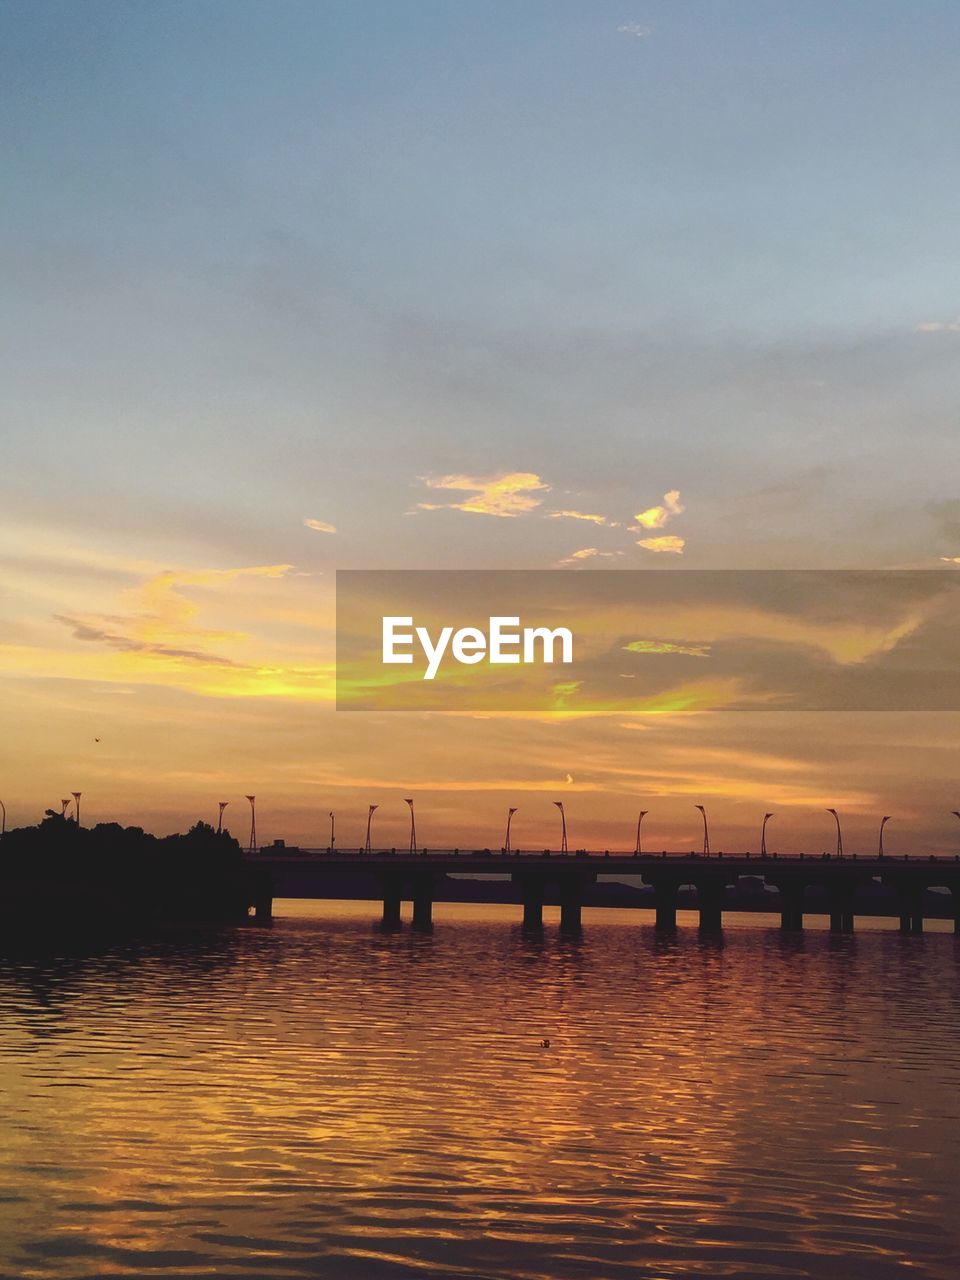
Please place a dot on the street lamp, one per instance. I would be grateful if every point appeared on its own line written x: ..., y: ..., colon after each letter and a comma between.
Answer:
x: 763, y: 834
x: 223, y: 805
x: 836, y: 817
x: 706, y: 830
x: 3, y: 820
x: 506, y: 841
x: 883, y: 823
x: 370, y: 812
x: 413, y: 828
x: 253, y: 823
x: 76, y: 798
x: 636, y: 849
x: 563, y: 826
x: 333, y: 830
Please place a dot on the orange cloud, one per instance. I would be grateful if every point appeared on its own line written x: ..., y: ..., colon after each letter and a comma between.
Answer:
x: 666, y: 646
x: 577, y: 515
x: 320, y: 526
x: 506, y: 495
x: 589, y: 553
x: 665, y: 542
x: 657, y: 517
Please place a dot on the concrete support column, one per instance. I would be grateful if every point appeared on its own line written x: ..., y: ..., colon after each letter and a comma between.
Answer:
x: 791, y: 909
x: 391, y: 903
x: 710, y: 894
x: 911, y: 909
x: 571, y: 903
x: 666, y: 891
x: 841, y: 908
x: 423, y: 904
x: 533, y: 894
x: 263, y: 908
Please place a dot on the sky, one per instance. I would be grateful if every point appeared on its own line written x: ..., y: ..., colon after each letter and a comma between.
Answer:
x: 376, y: 285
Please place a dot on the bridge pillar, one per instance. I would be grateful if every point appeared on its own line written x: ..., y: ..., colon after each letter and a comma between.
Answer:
x: 911, y: 909
x: 423, y: 904
x: 666, y: 891
x: 263, y: 908
x: 571, y: 903
x: 391, y: 903
x: 841, y: 908
x: 533, y: 893
x: 791, y: 910
x: 710, y: 894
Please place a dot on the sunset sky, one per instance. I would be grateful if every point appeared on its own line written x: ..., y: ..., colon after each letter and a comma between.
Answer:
x: 541, y: 285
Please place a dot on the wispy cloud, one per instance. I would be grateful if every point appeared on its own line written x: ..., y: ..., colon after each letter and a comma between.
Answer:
x: 589, y: 553
x: 509, y: 494
x: 636, y: 29
x: 939, y: 326
x: 657, y: 517
x: 98, y: 632
x: 321, y: 526
x: 666, y: 542
x: 578, y: 515
x: 667, y: 646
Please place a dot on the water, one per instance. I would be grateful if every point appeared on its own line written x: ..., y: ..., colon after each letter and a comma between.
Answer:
x: 320, y: 1099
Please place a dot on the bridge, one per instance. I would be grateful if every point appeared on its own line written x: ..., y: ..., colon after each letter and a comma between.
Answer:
x: 805, y: 883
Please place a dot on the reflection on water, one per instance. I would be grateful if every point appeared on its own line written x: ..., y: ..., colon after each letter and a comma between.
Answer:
x: 320, y: 1099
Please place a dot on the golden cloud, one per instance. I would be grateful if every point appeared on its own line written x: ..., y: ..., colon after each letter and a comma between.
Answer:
x: 589, y: 553
x: 657, y: 517
x: 506, y: 495
x: 577, y: 515
x: 667, y: 646
x: 668, y: 542
x: 320, y: 526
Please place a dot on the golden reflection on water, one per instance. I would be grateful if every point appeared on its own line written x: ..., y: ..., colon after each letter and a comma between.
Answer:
x: 321, y: 1099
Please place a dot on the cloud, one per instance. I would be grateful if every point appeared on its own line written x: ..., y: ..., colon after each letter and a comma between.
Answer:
x: 94, y: 630
x: 667, y: 646
x: 161, y: 622
x: 589, y: 553
x: 636, y: 29
x: 939, y: 326
x: 320, y: 526
x: 951, y: 559
x: 577, y: 515
x: 507, y: 495
x: 657, y: 517
x: 668, y: 542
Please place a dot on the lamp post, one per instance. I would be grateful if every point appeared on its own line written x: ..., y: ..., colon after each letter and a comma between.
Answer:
x: 413, y: 827
x: 883, y: 823
x: 563, y: 826
x: 706, y: 830
x: 253, y: 823
x: 836, y: 817
x: 3, y: 819
x: 333, y: 830
x: 763, y: 834
x: 636, y: 848
x: 76, y: 799
x: 370, y: 812
x: 506, y: 840
x: 223, y: 805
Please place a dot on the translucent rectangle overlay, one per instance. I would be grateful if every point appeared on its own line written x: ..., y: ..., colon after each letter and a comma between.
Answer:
x: 652, y: 642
